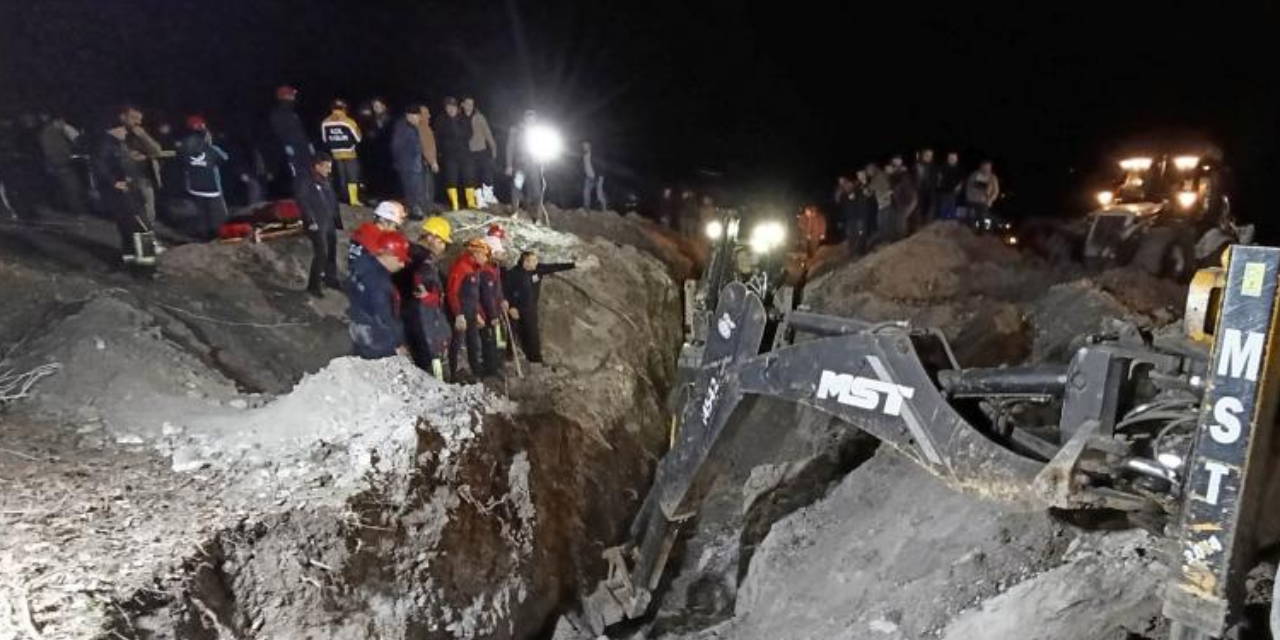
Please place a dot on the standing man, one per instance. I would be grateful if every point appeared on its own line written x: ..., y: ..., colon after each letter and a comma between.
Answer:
x: 389, y: 215
x: 925, y: 175
x: 341, y: 135
x: 201, y: 162
x: 374, y: 311
x: 430, y: 157
x: 846, y: 214
x: 813, y: 230
x: 592, y: 179
x: 524, y: 285
x: 454, y: 133
x: 57, y: 144
x: 526, y: 175
x: 484, y: 152
x: 427, y: 328
x: 882, y: 192
x: 493, y: 338
x: 463, y: 297
x: 290, y: 134
x: 145, y: 152
x: 950, y: 180
x: 319, y: 205
x: 981, y: 190
x: 117, y: 173
x: 906, y: 202
x: 406, y: 159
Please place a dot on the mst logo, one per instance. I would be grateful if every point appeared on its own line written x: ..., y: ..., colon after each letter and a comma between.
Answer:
x: 864, y: 393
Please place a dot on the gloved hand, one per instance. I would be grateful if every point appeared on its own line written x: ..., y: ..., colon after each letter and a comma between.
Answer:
x: 313, y: 227
x: 460, y: 323
x: 514, y: 313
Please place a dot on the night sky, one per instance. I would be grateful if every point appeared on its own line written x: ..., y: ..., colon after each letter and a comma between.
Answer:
x: 774, y: 96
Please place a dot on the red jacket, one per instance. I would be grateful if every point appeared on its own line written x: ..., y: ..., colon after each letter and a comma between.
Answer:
x: 812, y: 228
x: 463, y: 295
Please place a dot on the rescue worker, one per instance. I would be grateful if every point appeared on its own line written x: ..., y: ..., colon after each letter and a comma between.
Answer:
x: 58, y: 146
x: 493, y: 338
x: 319, y: 207
x: 144, y: 151
x: 813, y: 230
x: 430, y: 157
x: 981, y: 191
x: 527, y: 181
x: 484, y: 153
x: 290, y: 134
x: 524, y: 289
x: 374, y: 311
x: 389, y: 215
x: 406, y: 159
x: 453, y: 132
x: 463, y: 298
x: 427, y: 329
x: 117, y: 173
x: 201, y: 162
x: 341, y: 135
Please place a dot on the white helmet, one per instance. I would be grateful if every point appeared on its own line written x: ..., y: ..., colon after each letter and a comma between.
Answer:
x: 391, y: 211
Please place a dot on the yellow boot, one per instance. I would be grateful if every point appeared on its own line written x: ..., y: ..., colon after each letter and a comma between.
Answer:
x: 471, y: 199
x: 353, y: 194
x: 453, y: 198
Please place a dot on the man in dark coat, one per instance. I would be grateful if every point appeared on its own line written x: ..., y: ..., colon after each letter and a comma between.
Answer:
x: 406, y: 159
x: 117, y: 174
x: 421, y: 286
x: 374, y: 311
x: 453, y: 133
x: 290, y: 134
x: 319, y: 207
x: 524, y: 289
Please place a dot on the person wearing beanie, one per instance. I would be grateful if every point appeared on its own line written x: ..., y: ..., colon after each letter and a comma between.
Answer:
x: 453, y: 132
x: 484, y: 153
x: 463, y: 299
x: 319, y: 207
x: 341, y: 136
x: 201, y: 162
x: 374, y: 304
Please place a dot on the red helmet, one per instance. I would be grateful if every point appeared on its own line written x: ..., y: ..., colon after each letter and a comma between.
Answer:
x: 286, y: 92
x: 497, y: 231
x: 394, y: 243
x: 197, y: 123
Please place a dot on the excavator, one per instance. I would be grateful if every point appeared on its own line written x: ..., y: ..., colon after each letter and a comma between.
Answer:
x: 1172, y: 427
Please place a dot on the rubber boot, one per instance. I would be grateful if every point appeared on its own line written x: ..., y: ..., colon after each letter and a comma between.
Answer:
x: 353, y: 194
x: 471, y: 199
x: 453, y: 198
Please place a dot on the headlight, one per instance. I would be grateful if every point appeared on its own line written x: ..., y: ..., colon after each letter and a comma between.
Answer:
x: 544, y: 143
x: 1105, y: 198
x: 1011, y: 240
x: 1186, y: 163
x: 1135, y: 164
x: 767, y: 236
x: 715, y: 229
x: 1186, y: 199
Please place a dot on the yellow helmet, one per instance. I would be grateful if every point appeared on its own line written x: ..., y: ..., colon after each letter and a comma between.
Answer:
x: 438, y: 227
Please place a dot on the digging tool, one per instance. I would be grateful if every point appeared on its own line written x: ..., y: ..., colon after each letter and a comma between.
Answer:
x: 515, y: 348
x: 1141, y: 426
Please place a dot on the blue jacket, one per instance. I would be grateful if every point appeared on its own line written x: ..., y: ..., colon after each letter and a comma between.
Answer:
x: 376, y: 329
x: 406, y: 147
x: 201, y: 159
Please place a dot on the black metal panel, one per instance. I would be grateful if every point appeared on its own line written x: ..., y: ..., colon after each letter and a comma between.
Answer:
x: 1224, y: 482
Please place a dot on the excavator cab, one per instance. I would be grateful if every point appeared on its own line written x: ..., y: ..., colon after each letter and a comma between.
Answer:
x: 1159, y: 428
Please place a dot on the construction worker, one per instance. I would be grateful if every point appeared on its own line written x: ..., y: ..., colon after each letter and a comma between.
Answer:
x: 463, y: 299
x: 430, y: 157
x: 427, y: 329
x: 57, y: 143
x: 406, y: 159
x: 389, y: 215
x: 341, y: 135
x: 493, y: 338
x: 117, y: 173
x: 484, y: 153
x: 319, y: 205
x: 453, y: 131
x: 524, y: 289
x: 290, y: 134
x: 201, y: 162
x: 374, y: 311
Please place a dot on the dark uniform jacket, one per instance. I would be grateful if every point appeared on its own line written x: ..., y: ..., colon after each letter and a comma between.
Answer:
x: 376, y: 329
x: 318, y: 203
x: 524, y: 287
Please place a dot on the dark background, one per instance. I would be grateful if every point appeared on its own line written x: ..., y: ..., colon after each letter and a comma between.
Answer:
x: 774, y: 97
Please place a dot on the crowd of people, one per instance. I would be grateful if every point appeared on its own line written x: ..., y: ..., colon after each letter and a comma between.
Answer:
x: 133, y: 172
x: 403, y: 304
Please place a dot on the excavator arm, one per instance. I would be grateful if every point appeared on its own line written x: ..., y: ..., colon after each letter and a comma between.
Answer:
x: 1121, y: 404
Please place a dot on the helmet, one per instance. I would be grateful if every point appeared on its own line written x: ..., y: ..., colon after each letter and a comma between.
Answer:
x: 391, y: 211
x: 339, y: 105
x: 438, y: 227
x: 495, y: 244
x: 197, y: 123
x: 286, y: 92
x: 392, y: 242
x: 479, y: 243
x: 497, y: 231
